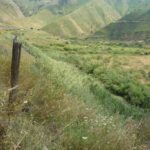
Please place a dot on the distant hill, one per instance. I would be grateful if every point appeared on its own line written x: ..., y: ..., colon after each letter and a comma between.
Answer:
x: 134, y: 26
x: 9, y: 11
x: 30, y: 7
x: 12, y: 14
x: 93, y: 16
x: 84, y: 20
x: 76, y: 18
x: 126, y: 6
x: 35, y: 13
x: 36, y: 21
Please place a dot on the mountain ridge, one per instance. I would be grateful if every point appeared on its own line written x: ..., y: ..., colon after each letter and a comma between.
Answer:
x: 134, y: 26
x: 69, y: 18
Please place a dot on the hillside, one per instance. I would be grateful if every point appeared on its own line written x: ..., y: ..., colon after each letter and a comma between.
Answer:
x: 85, y: 20
x: 12, y: 15
x: 9, y: 11
x: 127, y: 6
x: 30, y: 7
x: 36, y: 21
x: 135, y: 26
x: 71, y: 18
x: 33, y: 13
x: 93, y: 16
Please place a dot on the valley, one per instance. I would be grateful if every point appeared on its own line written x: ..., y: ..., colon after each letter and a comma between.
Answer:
x: 84, y: 79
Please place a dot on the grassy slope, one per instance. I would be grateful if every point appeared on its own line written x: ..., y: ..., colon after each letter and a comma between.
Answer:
x: 9, y: 11
x: 11, y: 14
x: 60, y: 55
x: 136, y: 26
x: 126, y: 6
x: 65, y: 103
x: 64, y: 108
x: 86, y: 19
x: 93, y: 16
x: 37, y: 20
x: 29, y: 7
x: 83, y: 19
x: 121, y: 6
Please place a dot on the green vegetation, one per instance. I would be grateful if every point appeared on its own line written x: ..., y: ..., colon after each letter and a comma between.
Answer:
x: 134, y: 26
x: 63, y: 107
x: 68, y: 94
x: 115, y: 19
x: 84, y: 20
x: 9, y: 11
x: 82, y: 92
x: 105, y: 68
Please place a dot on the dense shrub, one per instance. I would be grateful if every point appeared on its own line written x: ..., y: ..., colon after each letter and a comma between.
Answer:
x: 118, y: 81
x: 124, y: 85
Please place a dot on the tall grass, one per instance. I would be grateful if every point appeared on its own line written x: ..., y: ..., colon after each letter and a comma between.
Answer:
x: 110, y: 71
x: 61, y: 108
x: 56, y: 120
x: 83, y: 86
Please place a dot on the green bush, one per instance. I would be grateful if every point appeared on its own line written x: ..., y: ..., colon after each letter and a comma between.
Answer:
x: 124, y: 85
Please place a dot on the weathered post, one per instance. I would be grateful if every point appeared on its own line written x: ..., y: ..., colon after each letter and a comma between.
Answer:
x: 16, y: 53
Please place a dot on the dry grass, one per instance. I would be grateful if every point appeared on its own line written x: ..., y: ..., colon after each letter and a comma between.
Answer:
x: 55, y: 120
x: 49, y: 116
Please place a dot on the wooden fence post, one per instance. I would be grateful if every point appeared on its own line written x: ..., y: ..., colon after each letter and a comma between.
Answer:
x: 16, y: 54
